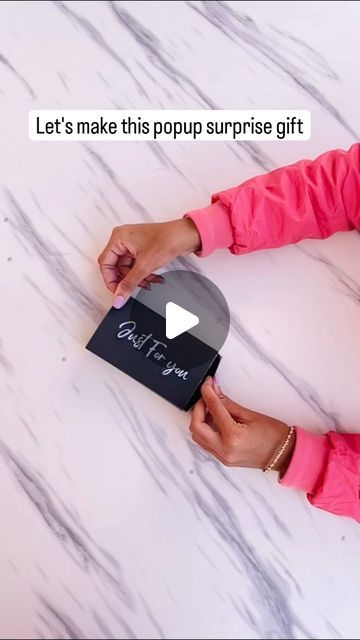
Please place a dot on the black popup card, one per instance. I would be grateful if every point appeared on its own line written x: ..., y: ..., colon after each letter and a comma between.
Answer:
x: 134, y: 338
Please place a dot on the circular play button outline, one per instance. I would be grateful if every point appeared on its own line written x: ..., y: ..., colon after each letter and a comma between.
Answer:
x: 194, y: 296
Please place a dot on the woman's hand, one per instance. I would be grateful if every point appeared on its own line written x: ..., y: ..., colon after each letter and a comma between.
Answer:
x: 237, y: 436
x: 134, y: 251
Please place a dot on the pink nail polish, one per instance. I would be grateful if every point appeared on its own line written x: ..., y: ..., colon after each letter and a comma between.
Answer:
x: 217, y: 388
x: 119, y: 302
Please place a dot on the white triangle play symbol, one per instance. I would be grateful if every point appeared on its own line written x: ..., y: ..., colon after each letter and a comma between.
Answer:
x: 178, y: 320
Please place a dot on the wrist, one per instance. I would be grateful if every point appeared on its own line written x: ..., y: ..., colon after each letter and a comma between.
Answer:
x: 187, y: 236
x: 282, y: 439
x: 285, y: 459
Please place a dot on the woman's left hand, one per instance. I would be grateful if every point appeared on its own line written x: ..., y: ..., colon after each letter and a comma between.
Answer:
x: 237, y: 436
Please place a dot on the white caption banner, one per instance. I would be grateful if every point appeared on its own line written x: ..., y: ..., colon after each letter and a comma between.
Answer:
x: 161, y: 125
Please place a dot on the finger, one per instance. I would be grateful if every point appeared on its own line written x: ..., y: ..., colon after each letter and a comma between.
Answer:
x: 125, y: 261
x: 203, y: 415
x: 144, y: 284
x: 202, y: 431
x: 216, y: 408
x: 218, y: 389
x: 123, y: 271
x: 210, y: 421
x: 129, y: 283
x: 241, y: 413
x: 155, y: 278
x: 233, y: 407
x: 110, y: 277
x: 113, y: 252
x: 199, y: 411
x: 108, y: 261
x: 206, y: 448
x: 212, y: 382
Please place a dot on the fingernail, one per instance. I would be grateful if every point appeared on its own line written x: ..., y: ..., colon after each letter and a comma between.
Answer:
x: 217, y: 388
x: 119, y: 302
x: 208, y: 380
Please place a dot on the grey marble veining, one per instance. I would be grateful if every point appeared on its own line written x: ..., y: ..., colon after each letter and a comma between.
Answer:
x: 113, y: 523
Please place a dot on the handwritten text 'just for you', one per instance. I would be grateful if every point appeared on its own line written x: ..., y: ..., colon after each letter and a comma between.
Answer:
x: 154, y: 348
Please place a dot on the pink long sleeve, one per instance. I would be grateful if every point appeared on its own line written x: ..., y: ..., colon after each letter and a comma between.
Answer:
x: 309, y: 199
x: 328, y: 469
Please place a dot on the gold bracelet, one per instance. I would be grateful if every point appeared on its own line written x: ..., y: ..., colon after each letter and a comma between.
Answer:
x: 281, y: 451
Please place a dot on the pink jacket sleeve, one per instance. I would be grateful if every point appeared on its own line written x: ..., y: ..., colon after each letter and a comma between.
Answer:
x: 328, y: 468
x: 309, y: 199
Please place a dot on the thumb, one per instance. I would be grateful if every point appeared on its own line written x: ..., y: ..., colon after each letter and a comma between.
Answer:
x: 127, y: 285
x: 216, y: 408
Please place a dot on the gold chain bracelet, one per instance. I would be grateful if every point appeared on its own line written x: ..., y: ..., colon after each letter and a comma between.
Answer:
x: 281, y: 451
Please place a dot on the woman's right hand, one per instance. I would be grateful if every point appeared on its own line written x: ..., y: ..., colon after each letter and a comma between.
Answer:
x: 237, y: 436
x: 135, y: 251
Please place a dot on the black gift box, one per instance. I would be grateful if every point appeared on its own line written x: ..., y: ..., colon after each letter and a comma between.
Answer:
x: 175, y: 369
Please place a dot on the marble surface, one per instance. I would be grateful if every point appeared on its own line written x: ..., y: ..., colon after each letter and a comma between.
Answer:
x: 113, y: 524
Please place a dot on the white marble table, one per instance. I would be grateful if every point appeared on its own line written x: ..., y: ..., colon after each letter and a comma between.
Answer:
x: 113, y: 525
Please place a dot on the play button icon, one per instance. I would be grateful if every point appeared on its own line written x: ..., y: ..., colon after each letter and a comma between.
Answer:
x: 178, y: 320
x: 189, y: 306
